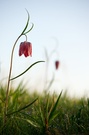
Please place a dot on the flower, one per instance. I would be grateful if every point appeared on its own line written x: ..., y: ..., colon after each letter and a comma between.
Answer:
x: 57, y: 64
x: 25, y: 48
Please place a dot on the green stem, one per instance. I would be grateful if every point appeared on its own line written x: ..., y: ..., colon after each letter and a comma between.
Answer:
x: 8, y: 83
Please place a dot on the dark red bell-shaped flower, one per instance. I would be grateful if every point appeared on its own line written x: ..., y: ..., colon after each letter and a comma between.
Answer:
x: 57, y: 64
x: 25, y: 48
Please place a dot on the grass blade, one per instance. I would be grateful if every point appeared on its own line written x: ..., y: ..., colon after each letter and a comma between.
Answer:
x: 42, y: 116
x: 22, y: 108
x: 32, y: 123
x: 52, y: 114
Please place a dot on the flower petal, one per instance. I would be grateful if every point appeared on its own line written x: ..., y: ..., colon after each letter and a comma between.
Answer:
x: 25, y: 48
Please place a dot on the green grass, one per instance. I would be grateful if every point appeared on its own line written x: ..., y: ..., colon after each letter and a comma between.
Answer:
x: 46, y: 114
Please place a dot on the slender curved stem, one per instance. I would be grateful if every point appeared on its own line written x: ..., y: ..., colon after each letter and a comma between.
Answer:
x: 10, y: 70
x: 25, y: 36
x: 8, y: 83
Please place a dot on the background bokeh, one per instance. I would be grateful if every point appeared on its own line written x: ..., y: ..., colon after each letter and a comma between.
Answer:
x: 63, y: 24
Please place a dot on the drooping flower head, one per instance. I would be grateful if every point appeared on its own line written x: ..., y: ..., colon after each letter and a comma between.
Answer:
x: 57, y: 64
x: 25, y: 48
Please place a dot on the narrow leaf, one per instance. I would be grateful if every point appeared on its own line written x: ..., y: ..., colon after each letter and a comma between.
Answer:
x: 54, y: 116
x: 26, y: 23
x: 47, y: 106
x: 52, y: 113
x: 32, y: 123
x: 42, y: 116
x: 22, y: 108
x: 29, y: 29
x: 26, y: 70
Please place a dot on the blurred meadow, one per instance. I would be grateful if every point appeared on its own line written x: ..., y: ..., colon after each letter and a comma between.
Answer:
x: 43, y: 114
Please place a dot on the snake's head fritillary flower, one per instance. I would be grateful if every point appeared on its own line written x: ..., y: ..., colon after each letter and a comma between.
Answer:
x: 25, y: 48
x: 57, y: 64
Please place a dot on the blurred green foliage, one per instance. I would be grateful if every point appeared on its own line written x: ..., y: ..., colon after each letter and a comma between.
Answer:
x: 43, y: 114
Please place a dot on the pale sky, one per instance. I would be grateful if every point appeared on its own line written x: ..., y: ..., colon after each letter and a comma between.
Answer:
x: 56, y: 22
